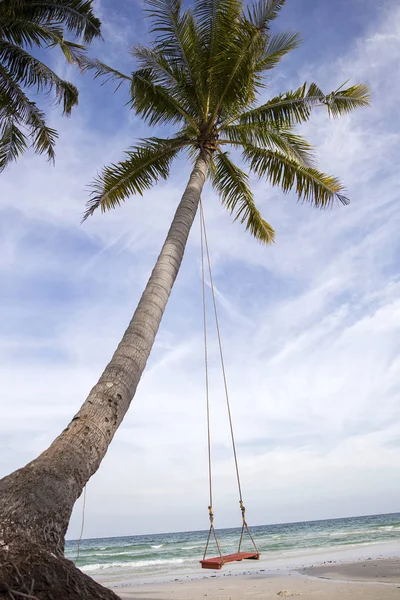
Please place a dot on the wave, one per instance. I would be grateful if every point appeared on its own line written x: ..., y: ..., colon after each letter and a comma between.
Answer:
x: 366, y: 532
x: 92, y: 552
x: 157, y: 547
x: 137, y: 563
x: 151, y: 554
x: 349, y: 533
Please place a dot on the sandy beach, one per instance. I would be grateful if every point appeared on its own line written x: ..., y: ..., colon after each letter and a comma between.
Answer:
x: 372, y: 579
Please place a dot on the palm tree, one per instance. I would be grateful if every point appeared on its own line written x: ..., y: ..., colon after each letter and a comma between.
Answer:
x: 203, y: 74
x: 25, y: 25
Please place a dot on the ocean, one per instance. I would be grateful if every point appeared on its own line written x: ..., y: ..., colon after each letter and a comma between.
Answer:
x: 166, y: 556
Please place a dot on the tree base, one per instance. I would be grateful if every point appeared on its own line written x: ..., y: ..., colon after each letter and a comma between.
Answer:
x: 31, y: 573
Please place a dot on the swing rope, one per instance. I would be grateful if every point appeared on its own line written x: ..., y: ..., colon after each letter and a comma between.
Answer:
x: 210, y: 509
x: 82, y: 523
x: 205, y: 249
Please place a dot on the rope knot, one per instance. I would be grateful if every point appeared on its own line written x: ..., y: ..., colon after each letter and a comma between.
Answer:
x: 211, y: 514
x: 243, y: 509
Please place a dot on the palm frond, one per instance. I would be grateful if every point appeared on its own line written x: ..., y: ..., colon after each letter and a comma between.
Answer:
x: 197, y: 93
x: 164, y: 72
x: 216, y: 19
x: 76, y: 16
x: 101, y: 70
x: 12, y: 142
x: 164, y: 15
x: 213, y: 18
x: 286, y: 109
x: 12, y: 98
x: 43, y: 137
x: 218, y: 24
x: 232, y: 185
x: 144, y: 165
x: 30, y: 72
x: 261, y: 13
x: 177, y: 39
x: 15, y: 105
x: 268, y: 136
x: 154, y: 102
x: 234, y: 74
x: 72, y: 52
x: 170, y: 77
x: 25, y: 24
x: 26, y: 33
x: 341, y: 102
x: 296, y: 106
x: 309, y: 184
x: 278, y: 46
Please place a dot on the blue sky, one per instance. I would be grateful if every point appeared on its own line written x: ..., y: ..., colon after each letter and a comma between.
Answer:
x: 310, y: 325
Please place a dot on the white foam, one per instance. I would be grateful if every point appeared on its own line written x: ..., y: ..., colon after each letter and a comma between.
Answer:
x: 135, y: 564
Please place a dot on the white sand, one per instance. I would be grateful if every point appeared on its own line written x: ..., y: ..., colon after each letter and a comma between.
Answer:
x: 363, y: 580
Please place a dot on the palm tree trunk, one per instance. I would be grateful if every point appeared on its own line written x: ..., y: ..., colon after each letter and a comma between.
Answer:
x: 36, y: 501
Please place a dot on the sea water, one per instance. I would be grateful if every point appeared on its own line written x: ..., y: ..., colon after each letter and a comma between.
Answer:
x: 175, y: 555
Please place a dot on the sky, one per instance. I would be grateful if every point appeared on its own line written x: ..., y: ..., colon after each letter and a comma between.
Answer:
x: 310, y: 325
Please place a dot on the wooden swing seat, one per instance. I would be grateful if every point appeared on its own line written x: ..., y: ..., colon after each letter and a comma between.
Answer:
x: 218, y: 561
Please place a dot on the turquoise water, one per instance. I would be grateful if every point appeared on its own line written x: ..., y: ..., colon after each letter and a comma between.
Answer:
x: 174, y: 553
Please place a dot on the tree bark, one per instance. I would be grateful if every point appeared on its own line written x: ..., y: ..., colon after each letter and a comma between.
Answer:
x: 36, y: 501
